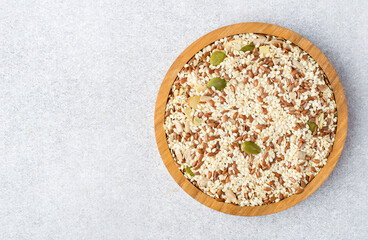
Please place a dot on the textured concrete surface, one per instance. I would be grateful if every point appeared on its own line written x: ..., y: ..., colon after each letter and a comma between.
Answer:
x: 78, y: 83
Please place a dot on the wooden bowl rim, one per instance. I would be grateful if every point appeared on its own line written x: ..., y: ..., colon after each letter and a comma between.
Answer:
x: 187, y: 54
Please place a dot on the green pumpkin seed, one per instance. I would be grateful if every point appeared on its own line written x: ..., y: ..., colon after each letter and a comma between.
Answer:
x: 250, y: 147
x: 312, y: 126
x: 246, y: 48
x: 189, y: 171
x: 217, y: 82
x: 217, y: 57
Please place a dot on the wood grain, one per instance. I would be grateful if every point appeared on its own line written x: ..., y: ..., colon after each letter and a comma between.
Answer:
x: 189, y: 52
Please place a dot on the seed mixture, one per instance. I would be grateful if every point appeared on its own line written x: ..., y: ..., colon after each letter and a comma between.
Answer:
x: 251, y: 119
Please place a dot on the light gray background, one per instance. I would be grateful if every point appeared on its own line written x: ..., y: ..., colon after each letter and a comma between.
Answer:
x: 78, y: 84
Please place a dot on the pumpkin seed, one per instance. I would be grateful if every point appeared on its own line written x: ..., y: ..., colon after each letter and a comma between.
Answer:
x: 217, y: 57
x: 312, y: 126
x: 246, y: 48
x: 189, y: 171
x: 250, y: 147
x: 217, y: 82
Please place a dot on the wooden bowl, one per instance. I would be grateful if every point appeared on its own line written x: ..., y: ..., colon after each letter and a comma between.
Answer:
x: 184, y: 57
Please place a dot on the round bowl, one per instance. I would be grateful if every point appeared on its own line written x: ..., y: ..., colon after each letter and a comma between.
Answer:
x: 187, y: 54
